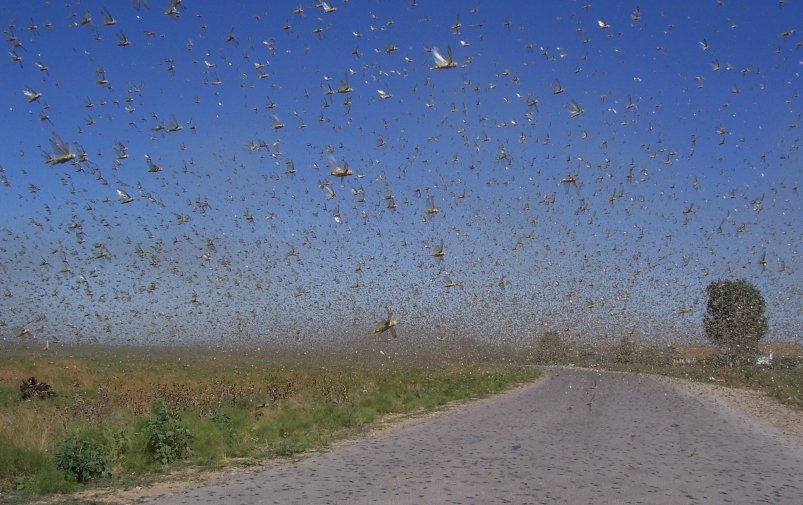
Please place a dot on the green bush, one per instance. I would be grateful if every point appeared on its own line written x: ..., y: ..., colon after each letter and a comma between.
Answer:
x: 168, y: 439
x: 83, y: 458
x: 119, y: 444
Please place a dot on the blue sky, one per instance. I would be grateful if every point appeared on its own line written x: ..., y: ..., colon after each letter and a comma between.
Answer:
x: 686, y: 157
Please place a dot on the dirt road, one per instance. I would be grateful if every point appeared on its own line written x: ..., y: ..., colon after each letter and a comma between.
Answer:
x: 577, y: 436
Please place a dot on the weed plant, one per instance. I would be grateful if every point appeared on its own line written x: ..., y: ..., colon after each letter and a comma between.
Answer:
x: 83, y: 457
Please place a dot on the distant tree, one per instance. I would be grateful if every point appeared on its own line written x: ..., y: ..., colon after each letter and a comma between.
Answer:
x: 735, y: 319
x: 552, y: 349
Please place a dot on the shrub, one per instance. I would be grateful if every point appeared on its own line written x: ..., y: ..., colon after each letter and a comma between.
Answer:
x: 551, y: 349
x: 82, y: 457
x: 735, y: 318
x: 624, y: 351
x: 168, y: 439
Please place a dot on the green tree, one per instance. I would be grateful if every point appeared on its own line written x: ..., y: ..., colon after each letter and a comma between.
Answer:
x: 734, y: 319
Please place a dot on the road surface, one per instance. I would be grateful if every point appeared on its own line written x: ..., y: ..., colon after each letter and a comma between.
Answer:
x: 576, y: 436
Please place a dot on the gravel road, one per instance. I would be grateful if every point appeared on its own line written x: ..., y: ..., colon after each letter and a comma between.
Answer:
x: 576, y: 436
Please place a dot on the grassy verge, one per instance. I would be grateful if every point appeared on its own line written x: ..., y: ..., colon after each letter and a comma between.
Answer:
x: 782, y: 384
x: 121, y: 418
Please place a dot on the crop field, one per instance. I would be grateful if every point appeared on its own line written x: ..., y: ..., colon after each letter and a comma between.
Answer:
x: 127, y: 415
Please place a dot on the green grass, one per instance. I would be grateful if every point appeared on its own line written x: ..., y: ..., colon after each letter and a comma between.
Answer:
x: 238, y: 408
x: 782, y: 384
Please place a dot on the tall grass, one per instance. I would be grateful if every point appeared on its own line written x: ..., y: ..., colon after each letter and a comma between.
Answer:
x: 237, y: 407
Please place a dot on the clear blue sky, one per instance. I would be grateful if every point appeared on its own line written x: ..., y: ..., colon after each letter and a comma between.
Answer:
x: 686, y: 157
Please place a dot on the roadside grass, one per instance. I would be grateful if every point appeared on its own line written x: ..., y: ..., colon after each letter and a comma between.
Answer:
x: 236, y: 407
x: 785, y: 385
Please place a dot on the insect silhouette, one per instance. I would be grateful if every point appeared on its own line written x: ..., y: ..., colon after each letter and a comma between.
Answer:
x: 388, y: 324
